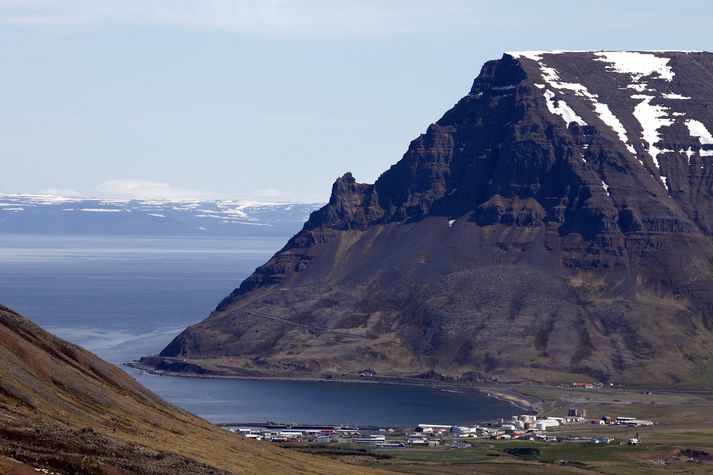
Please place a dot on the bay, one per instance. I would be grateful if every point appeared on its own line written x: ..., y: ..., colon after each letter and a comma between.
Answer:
x: 125, y: 297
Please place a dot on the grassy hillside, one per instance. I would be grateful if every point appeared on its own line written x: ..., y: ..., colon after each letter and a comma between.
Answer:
x: 66, y: 410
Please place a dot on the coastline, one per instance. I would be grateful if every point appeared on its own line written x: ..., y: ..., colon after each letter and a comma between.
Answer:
x: 515, y: 398
x: 503, y: 393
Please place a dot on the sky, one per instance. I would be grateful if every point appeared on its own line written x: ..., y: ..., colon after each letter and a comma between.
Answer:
x: 266, y: 99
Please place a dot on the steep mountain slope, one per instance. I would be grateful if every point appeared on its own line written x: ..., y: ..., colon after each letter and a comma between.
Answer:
x: 557, y: 220
x: 64, y: 410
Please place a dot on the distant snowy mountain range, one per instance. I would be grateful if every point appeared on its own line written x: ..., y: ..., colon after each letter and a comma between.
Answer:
x: 48, y: 214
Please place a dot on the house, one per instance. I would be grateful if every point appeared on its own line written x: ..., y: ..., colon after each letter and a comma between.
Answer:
x: 417, y: 439
x: 484, y: 432
x: 465, y: 430
x: 290, y: 435
x: 624, y: 420
x: 372, y: 439
x: 583, y: 385
x: 392, y: 445
x: 638, y: 422
x: 433, y: 428
x: 633, y: 421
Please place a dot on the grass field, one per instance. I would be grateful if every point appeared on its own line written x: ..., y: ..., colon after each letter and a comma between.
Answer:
x: 683, y: 421
x: 554, y: 457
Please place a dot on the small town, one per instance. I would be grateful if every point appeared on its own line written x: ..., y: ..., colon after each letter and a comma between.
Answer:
x: 525, y: 427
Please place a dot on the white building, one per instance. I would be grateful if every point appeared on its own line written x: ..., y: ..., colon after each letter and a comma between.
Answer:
x: 372, y: 439
x: 465, y: 429
x: 418, y: 439
x: 432, y: 428
x: 544, y: 424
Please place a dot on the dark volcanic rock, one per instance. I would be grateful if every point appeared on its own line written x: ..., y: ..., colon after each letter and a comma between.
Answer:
x: 558, y: 219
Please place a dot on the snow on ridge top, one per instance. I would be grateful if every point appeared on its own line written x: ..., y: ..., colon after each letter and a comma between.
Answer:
x: 637, y: 64
x: 537, y: 55
x: 551, y: 77
x: 533, y: 54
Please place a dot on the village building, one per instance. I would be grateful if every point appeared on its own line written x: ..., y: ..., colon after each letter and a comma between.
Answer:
x: 433, y: 428
x: 372, y: 440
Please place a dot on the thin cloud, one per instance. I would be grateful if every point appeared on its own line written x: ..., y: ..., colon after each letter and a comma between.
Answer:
x: 287, y: 196
x: 330, y: 17
x: 138, y: 189
x: 147, y: 190
x: 242, y: 16
x: 65, y: 192
x: 263, y: 17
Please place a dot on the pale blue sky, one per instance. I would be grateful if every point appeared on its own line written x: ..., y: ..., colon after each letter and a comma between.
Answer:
x: 266, y: 99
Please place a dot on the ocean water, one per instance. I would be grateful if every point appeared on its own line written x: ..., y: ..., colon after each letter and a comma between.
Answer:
x: 125, y: 297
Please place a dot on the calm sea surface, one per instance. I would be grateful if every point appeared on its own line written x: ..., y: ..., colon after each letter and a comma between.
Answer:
x: 126, y: 297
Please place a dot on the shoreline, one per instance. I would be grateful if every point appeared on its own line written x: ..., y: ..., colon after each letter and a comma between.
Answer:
x: 517, y: 399
x: 504, y: 393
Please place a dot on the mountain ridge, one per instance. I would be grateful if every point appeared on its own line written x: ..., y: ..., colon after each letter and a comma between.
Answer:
x: 578, y: 182
x: 50, y: 214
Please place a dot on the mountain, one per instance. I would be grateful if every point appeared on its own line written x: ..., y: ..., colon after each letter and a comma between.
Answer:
x: 65, y: 411
x: 47, y: 214
x: 556, y: 223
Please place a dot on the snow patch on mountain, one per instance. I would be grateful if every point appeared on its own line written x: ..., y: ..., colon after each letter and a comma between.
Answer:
x: 606, y: 115
x: 698, y: 129
x: 559, y: 107
x: 101, y: 210
x: 552, y: 78
x: 638, y: 65
x: 673, y: 95
x: 652, y: 118
x: 606, y: 187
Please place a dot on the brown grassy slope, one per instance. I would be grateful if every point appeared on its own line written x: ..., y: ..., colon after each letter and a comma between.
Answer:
x: 63, y: 407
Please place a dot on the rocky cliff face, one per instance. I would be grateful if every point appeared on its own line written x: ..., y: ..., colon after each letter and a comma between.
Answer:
x: 557, y: 220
